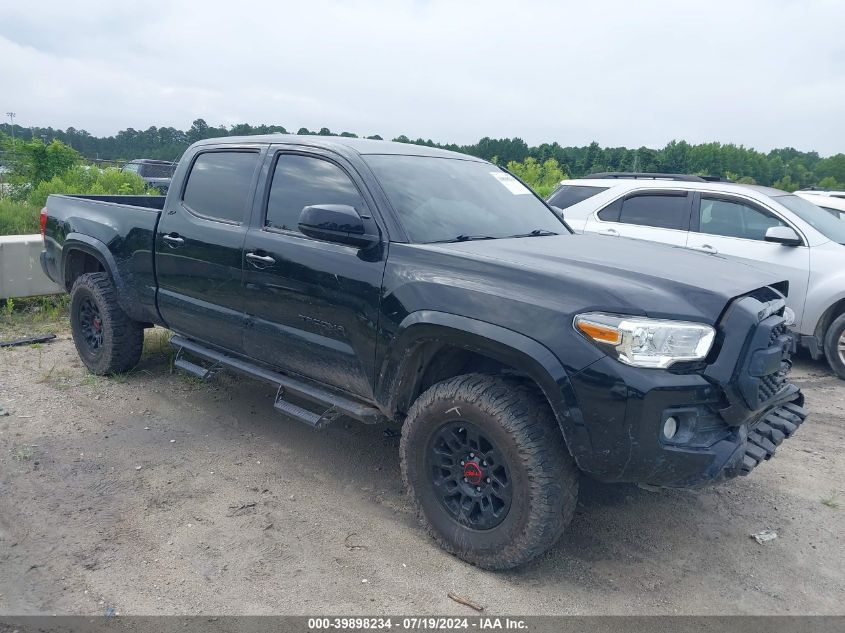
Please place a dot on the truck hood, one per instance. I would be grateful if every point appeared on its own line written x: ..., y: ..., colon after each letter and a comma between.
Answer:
x: 621, y: 275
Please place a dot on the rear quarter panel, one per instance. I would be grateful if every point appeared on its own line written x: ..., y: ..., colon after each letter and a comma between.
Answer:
x: 121, y: 236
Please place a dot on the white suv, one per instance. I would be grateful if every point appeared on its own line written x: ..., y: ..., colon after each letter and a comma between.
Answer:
x: 831, y: 201
x: 766, y: 227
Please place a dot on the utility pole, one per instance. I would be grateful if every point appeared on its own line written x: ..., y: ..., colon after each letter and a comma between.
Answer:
x: 12, y: 116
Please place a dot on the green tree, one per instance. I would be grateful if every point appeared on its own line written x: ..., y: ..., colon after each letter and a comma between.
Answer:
x: 541, y: 177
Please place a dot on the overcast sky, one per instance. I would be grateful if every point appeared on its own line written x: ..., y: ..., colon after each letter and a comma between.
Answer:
x: 761, y: 73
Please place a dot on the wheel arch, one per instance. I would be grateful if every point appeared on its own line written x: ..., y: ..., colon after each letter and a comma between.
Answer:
x: 432, y: 346
x: 84, y: 254
x: 836, y: 308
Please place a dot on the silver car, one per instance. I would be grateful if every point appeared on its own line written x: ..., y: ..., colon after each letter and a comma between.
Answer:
x: 766, y: 227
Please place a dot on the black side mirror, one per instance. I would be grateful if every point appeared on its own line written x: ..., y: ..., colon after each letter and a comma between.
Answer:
x: 339, y: 223
x: 783, y: 235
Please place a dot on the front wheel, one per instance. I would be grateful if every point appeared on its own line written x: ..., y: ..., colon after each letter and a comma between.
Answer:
x: 834, y: 346
x: 108, y: 341
x: 485, y: 461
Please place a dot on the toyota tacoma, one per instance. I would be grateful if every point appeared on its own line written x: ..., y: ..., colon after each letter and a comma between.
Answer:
x: 389, y: 282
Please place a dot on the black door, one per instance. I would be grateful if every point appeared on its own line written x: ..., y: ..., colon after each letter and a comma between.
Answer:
x: 312, y: 306
x: 199, y: 247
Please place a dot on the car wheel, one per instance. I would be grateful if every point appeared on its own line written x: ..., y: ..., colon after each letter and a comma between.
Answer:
x: 834, y: 346
x: 107, y: 340
x: 485, y: 461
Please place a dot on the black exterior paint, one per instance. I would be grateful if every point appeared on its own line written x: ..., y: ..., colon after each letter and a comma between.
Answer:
x: 369, y: 321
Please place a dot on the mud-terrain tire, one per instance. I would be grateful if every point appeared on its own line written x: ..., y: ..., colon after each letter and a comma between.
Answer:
x: 451, y: 432
x: 108, y: 341
x: 834, y: 346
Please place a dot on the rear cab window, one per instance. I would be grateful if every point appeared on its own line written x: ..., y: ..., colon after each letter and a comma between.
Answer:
x: 220, y: 183
x: 664, y: 210
x: 567, y: 195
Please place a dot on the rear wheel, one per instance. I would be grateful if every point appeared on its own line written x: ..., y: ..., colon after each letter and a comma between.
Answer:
x: 834, y: 346
x: 485, y: 461
x: 107, y: 340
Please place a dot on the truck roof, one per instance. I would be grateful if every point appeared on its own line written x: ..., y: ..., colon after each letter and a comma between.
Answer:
x: 341, y: 144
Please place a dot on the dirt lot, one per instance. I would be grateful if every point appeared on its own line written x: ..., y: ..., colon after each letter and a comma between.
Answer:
x: 153, y: 493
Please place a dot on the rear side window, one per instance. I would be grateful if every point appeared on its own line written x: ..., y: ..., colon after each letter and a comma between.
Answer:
x: 834, y: 212
x: 567, y: 195
x: 301, y: 181
x: 734, y: 219
x: 660, y: 210
x: 220, y: 183
x: 157, y: 170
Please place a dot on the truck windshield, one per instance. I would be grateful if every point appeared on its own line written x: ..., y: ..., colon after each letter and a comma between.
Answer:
x: 831, y: 227
x: 446, y: 199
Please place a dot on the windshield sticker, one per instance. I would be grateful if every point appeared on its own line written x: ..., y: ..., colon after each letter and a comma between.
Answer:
x: 510, y: 183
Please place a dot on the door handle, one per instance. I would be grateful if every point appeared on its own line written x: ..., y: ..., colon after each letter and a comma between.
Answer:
x: 611, y: 232
x: 256, y: 259
x: 705, y: 248
x: 173, y: 240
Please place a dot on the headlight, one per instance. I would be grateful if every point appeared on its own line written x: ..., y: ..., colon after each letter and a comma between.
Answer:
x: 647, y: 342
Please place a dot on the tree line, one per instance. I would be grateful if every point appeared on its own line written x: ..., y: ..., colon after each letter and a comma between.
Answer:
x: 785, y: 168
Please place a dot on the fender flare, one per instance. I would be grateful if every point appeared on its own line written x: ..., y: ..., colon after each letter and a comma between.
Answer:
x: 399, y: 369
x: 94, y: 247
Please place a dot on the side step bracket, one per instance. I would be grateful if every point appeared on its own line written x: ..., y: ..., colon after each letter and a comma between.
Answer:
x: 335, y: 404
x: 203, y: 373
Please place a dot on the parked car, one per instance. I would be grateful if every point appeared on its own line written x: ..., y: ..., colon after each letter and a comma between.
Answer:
x: 155, y: 173
x: 831, y: 201
x: 771, y: 229
x: 392, y: 282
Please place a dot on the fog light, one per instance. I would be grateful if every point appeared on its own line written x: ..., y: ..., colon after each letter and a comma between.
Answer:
x: 670, y: 427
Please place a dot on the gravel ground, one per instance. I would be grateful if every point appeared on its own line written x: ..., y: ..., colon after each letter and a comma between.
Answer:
x: 154, y: 493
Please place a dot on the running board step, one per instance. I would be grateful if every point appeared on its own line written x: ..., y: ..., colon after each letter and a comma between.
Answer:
x: 192, y: 368
x: 304, y: 415
x: 334, y: 403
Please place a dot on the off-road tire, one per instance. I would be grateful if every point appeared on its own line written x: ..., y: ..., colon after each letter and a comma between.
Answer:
x: 544, y: 475
x: 122, y: 338
x: 831, y: 346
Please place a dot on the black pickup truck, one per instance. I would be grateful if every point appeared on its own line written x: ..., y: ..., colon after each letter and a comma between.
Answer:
x: 391, y: 282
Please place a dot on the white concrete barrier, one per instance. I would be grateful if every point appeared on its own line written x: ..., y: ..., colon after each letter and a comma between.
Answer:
x: 20, y: 268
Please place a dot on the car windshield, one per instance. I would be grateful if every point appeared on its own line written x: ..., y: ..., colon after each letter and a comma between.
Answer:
x: 447, y: 199
x: 831, y: 227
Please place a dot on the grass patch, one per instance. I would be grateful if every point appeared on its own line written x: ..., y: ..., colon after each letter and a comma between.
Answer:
x: 18, y: 218
x: 831, y: 501
x: 23, y: 453
x: 59, y: 377
x: 33, y: 315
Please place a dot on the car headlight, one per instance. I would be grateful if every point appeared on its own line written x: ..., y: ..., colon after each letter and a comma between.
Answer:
x: 645, y: 342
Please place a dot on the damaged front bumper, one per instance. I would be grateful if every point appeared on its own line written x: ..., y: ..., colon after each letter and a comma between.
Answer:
x: 730, y: 414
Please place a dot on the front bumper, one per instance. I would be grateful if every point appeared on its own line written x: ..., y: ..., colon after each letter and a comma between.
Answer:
x: 732, y: 412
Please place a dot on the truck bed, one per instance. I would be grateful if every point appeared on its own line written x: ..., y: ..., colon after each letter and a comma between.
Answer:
x: 120, y: 228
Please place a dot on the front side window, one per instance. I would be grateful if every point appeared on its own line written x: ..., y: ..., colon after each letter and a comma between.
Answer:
x: 447, y: 199
x: 567, y: 195
x: 220, y: 183
x: 731, y: 218
x: 301, y: 181
x: 132, y: 167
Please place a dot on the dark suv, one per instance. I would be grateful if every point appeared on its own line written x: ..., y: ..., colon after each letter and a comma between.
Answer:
x: 155, y: 173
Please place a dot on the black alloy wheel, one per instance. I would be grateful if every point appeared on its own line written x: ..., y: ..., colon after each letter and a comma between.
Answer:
x: 470, y: 475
